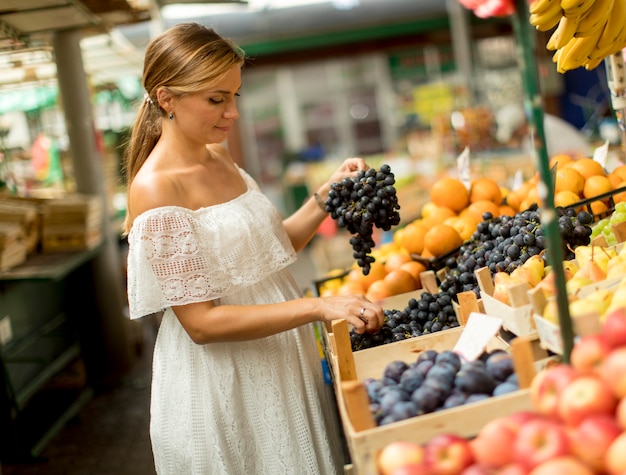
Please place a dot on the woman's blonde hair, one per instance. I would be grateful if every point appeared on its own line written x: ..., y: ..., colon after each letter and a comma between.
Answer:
x: 186, y: 58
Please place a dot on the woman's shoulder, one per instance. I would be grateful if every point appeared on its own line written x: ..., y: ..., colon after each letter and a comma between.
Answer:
x: 149, y: 191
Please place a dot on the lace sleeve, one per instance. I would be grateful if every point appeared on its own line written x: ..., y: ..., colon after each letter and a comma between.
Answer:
x: 178, y: 256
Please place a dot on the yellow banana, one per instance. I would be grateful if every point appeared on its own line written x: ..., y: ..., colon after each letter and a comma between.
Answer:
x: 615, y: 24
x: 540, y: 7
x: 563, y: 33
x: 575, y: 7
x: 545, y: 22
x: 592, y: 63
x: 576, y: 52
x: 595, y: 18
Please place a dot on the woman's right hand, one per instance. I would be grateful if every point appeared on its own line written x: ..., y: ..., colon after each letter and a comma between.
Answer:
x: 364, y: 315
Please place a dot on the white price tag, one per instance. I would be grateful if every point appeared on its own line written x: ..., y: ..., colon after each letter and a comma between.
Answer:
x: 463, y: 166
x: 601, y: 153
x: 479, y: 329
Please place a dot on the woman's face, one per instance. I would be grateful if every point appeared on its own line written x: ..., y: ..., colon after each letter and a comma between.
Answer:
x: 206, y: 117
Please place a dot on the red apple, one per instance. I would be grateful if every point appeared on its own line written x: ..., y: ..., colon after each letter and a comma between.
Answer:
x: 547, y: 385
x: 584, y: 397
x: 613, y: 371
x: 513, y: 469
x: 448, y: 454
x: 614, y: 327
x: 589, y: 353
x: 615, y: 458
x: 412, y: 469
x: 565, y: 465
x: 397, y: 454
x: 620, y: 413
x: 493, y: 445
x: 478, y: 469
x: 590, y: 439
x: 539, y: 440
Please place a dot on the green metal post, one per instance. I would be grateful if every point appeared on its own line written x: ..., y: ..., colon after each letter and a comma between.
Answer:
x: 533, y: 103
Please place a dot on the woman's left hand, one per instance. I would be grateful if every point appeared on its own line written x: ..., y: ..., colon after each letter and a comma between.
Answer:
x: 349, y: 167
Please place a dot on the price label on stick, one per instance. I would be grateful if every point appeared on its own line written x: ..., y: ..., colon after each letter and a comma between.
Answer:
x: 479, y: 329
x: 601, y: 153
x: 463, y: 167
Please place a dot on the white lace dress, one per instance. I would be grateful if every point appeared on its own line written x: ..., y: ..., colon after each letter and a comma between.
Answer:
x: 244, y: 408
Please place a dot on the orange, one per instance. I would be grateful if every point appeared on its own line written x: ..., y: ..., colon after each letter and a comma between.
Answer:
x: 569, y: 179
x: 485, y: 188
x: 411, y: 237
x: 478, y: 208
x: 438, y: 214
x: 621, y: 196
x: 377, y: 291
x: 506, y: 210
x: 587, y: 167
x: 395, y: 260
x: 449, y: 192
x: 427, y: 209
x: 598, y: 207
x: 560, y: 160
x: 415, y: 269
x: 441, y: 239
x: 515, y: 197
x: 565, y: 198
x: 465, y: 225
x: 377, y: 272
x: 596, y: 185
x: 349, y: 288
x: 399, y: 281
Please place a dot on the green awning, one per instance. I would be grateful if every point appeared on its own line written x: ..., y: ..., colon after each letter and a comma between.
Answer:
x: 28, y: 99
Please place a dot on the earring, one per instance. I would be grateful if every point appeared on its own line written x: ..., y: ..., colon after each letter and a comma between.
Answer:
x: 171, y: 115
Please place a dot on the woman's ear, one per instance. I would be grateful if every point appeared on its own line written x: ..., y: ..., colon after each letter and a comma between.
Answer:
x: 164, y: 98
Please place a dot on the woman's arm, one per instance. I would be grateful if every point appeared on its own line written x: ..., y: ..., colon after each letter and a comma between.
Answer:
x: 207, y: 323
x: 302, y: 225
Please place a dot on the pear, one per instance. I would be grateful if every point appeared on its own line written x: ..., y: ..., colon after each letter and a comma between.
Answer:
x: 570, y: 266
x: 577, y: 282
x: 616, y: 267
x: 501, y: 283
x: 531, y: 272
x: 602, y: 297
x: 592, y: 270
x: 581, y: 307
x: 551, y: 312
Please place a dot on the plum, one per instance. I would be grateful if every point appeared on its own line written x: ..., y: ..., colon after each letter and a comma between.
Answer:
x: 472, y: 380
x: 504, y: 388
x: 411, y: 379
x: 395, y: 369
x: 500, y: 366
x: 443, y: 371
x: 450, y: 357
x: 426, y: 399
x: 442, y: 386
x: 476, y: 397
x: 391, y: 398
x: 425, y: 366
x: 427, y: 355
x: 454, y: 400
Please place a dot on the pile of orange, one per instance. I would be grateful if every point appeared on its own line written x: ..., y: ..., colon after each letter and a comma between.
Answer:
x: 576, y: 179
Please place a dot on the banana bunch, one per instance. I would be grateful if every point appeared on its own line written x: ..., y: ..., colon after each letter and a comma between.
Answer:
x: 586, y: 31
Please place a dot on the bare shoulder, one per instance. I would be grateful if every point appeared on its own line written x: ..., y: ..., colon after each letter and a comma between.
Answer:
x: 150, y: 190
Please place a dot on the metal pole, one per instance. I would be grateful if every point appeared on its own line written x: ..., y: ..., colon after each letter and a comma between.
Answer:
x: 108, y: 352
x: 533, y: 103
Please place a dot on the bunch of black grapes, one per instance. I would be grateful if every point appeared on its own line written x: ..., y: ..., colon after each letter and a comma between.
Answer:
x: 429, y: 313
x: 361, y: 203
x: 438, y: 380
x: 505, y: 243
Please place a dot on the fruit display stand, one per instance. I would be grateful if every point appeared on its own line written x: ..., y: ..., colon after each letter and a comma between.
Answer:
x: 365, y: 439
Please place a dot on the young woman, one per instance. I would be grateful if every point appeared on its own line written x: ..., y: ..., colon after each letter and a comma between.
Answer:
x: 237, y: 385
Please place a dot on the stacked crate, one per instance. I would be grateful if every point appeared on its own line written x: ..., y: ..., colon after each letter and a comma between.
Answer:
x: 27, y: 216
x: 71, y: 223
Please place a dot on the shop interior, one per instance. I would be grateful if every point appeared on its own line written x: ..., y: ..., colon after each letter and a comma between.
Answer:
x: 413, y: 84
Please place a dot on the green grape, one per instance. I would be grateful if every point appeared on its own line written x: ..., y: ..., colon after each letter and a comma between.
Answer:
x: 618, y: 217
x: 599, y: 227
x: 620, y: 206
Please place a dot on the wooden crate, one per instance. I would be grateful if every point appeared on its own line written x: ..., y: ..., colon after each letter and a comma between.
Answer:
x: 517, y: 317
x: 365, y: 439
x: 72, y: 223
x: 12, y: 245
x: 27, y: 215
